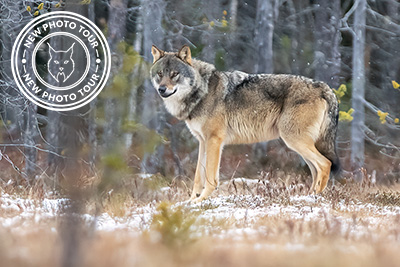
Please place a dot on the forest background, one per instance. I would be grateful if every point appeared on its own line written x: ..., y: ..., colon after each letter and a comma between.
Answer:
x: 351, y: 45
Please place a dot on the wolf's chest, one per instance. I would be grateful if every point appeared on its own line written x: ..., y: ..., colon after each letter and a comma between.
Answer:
x: 196, y: 128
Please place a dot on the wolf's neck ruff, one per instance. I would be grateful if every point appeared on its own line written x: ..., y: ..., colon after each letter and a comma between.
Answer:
x: 199, y: 89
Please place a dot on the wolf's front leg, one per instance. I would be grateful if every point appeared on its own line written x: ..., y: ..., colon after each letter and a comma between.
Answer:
x: 200, y: 171
x: 213, y: 154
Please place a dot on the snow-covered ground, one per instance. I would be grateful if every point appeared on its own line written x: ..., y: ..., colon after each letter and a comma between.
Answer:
x: 245, y: 213
x: 235, y: 227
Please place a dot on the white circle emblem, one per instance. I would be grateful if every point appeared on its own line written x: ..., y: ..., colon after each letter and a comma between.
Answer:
x: 61, y: 61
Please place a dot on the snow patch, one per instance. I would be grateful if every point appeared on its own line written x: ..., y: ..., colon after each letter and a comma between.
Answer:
x: 244, y: 212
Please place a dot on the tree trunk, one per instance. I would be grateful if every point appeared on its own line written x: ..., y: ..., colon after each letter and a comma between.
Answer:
x: 31, y: 135
x: 233, y: 15
x: 71, y: 129
x: 153, y: 114
x: 263, y: 37
x: 12, y: 101
x: 212, y: 10
x: 357, y: 133
x: 54, y: 131
x: 117, y: 22
x: 136, y: 73
x: 137, y: 44
x: 295, y: 36
x: 91, y: 120
x: 117, y: 28
x: 327, y: 40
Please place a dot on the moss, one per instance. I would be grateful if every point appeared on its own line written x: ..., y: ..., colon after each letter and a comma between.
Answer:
x: 174, y: 225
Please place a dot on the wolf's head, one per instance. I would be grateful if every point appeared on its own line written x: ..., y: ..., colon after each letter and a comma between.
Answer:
x: 61, y: 64
x: 181, y: 81
x: 172, y: 74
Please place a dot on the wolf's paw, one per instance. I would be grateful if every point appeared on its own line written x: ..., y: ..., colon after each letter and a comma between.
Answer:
x: 194, y: 196
x: 195, y: 200
x: 311, y: 191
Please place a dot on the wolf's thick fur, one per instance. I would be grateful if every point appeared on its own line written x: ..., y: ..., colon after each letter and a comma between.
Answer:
x: 222, y: 108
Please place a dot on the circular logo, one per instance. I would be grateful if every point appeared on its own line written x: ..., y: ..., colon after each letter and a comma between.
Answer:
x: 61, y: 61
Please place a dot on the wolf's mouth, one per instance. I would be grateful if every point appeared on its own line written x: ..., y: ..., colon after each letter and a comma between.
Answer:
x: 166, y: 94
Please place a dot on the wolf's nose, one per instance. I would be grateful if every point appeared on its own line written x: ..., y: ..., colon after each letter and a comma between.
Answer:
x: 61, y: 68
x: 162, y: 89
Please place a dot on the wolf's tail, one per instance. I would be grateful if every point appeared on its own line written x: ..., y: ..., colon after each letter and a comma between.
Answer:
x: 326, y: 144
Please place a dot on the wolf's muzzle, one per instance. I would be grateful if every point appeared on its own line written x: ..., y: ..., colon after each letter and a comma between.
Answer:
x: 162, y: 90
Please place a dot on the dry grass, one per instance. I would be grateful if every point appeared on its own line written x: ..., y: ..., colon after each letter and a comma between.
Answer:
x: 264, y: 222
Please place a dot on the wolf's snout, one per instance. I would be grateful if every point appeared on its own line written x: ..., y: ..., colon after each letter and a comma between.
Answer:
x: 162, y: 90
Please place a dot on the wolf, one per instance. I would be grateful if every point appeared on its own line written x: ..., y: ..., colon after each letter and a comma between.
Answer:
x: 223, y: 107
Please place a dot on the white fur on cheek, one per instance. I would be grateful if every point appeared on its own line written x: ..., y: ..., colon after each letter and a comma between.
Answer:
x: 155, y: 84
x: 174, y: 104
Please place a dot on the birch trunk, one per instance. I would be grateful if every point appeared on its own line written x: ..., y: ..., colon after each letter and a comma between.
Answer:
x: 137, y: 71
x: 327, y: 40
x: 117, y: 28
x: 358, y: 91
x: 263, y: 38
x: 264, y: 33
x: 31, y: 135
x: 153, y: 115
x: 233, y: 15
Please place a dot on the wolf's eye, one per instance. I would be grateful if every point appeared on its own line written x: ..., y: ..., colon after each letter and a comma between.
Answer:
x: 174, y: 74
x: 66, y: 61
x: 56, y: 61
x: 159, y: 74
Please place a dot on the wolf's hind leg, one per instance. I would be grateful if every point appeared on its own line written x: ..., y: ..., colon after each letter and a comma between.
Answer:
x: 200, y: 171
x: 325, y: 177
x: 213, y: 154
x: 299, y: 127
x: 313, y: 171
x: 319, y: 165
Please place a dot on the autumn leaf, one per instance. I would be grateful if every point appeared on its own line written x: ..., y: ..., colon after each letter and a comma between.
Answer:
x: 40, y: 7
x: 382, y: 116
x: 36, y: 13
x: 395, y: 84
x: 346, y: 116
x: 28, y: 8
x: 340, y: 92
x: 350, y: 111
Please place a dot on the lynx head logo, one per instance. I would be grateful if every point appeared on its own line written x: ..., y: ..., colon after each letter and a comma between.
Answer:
x: 61, y: 64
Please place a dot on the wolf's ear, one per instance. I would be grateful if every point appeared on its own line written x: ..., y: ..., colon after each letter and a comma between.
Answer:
x: 185, y: 54
x: 156, y: 52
